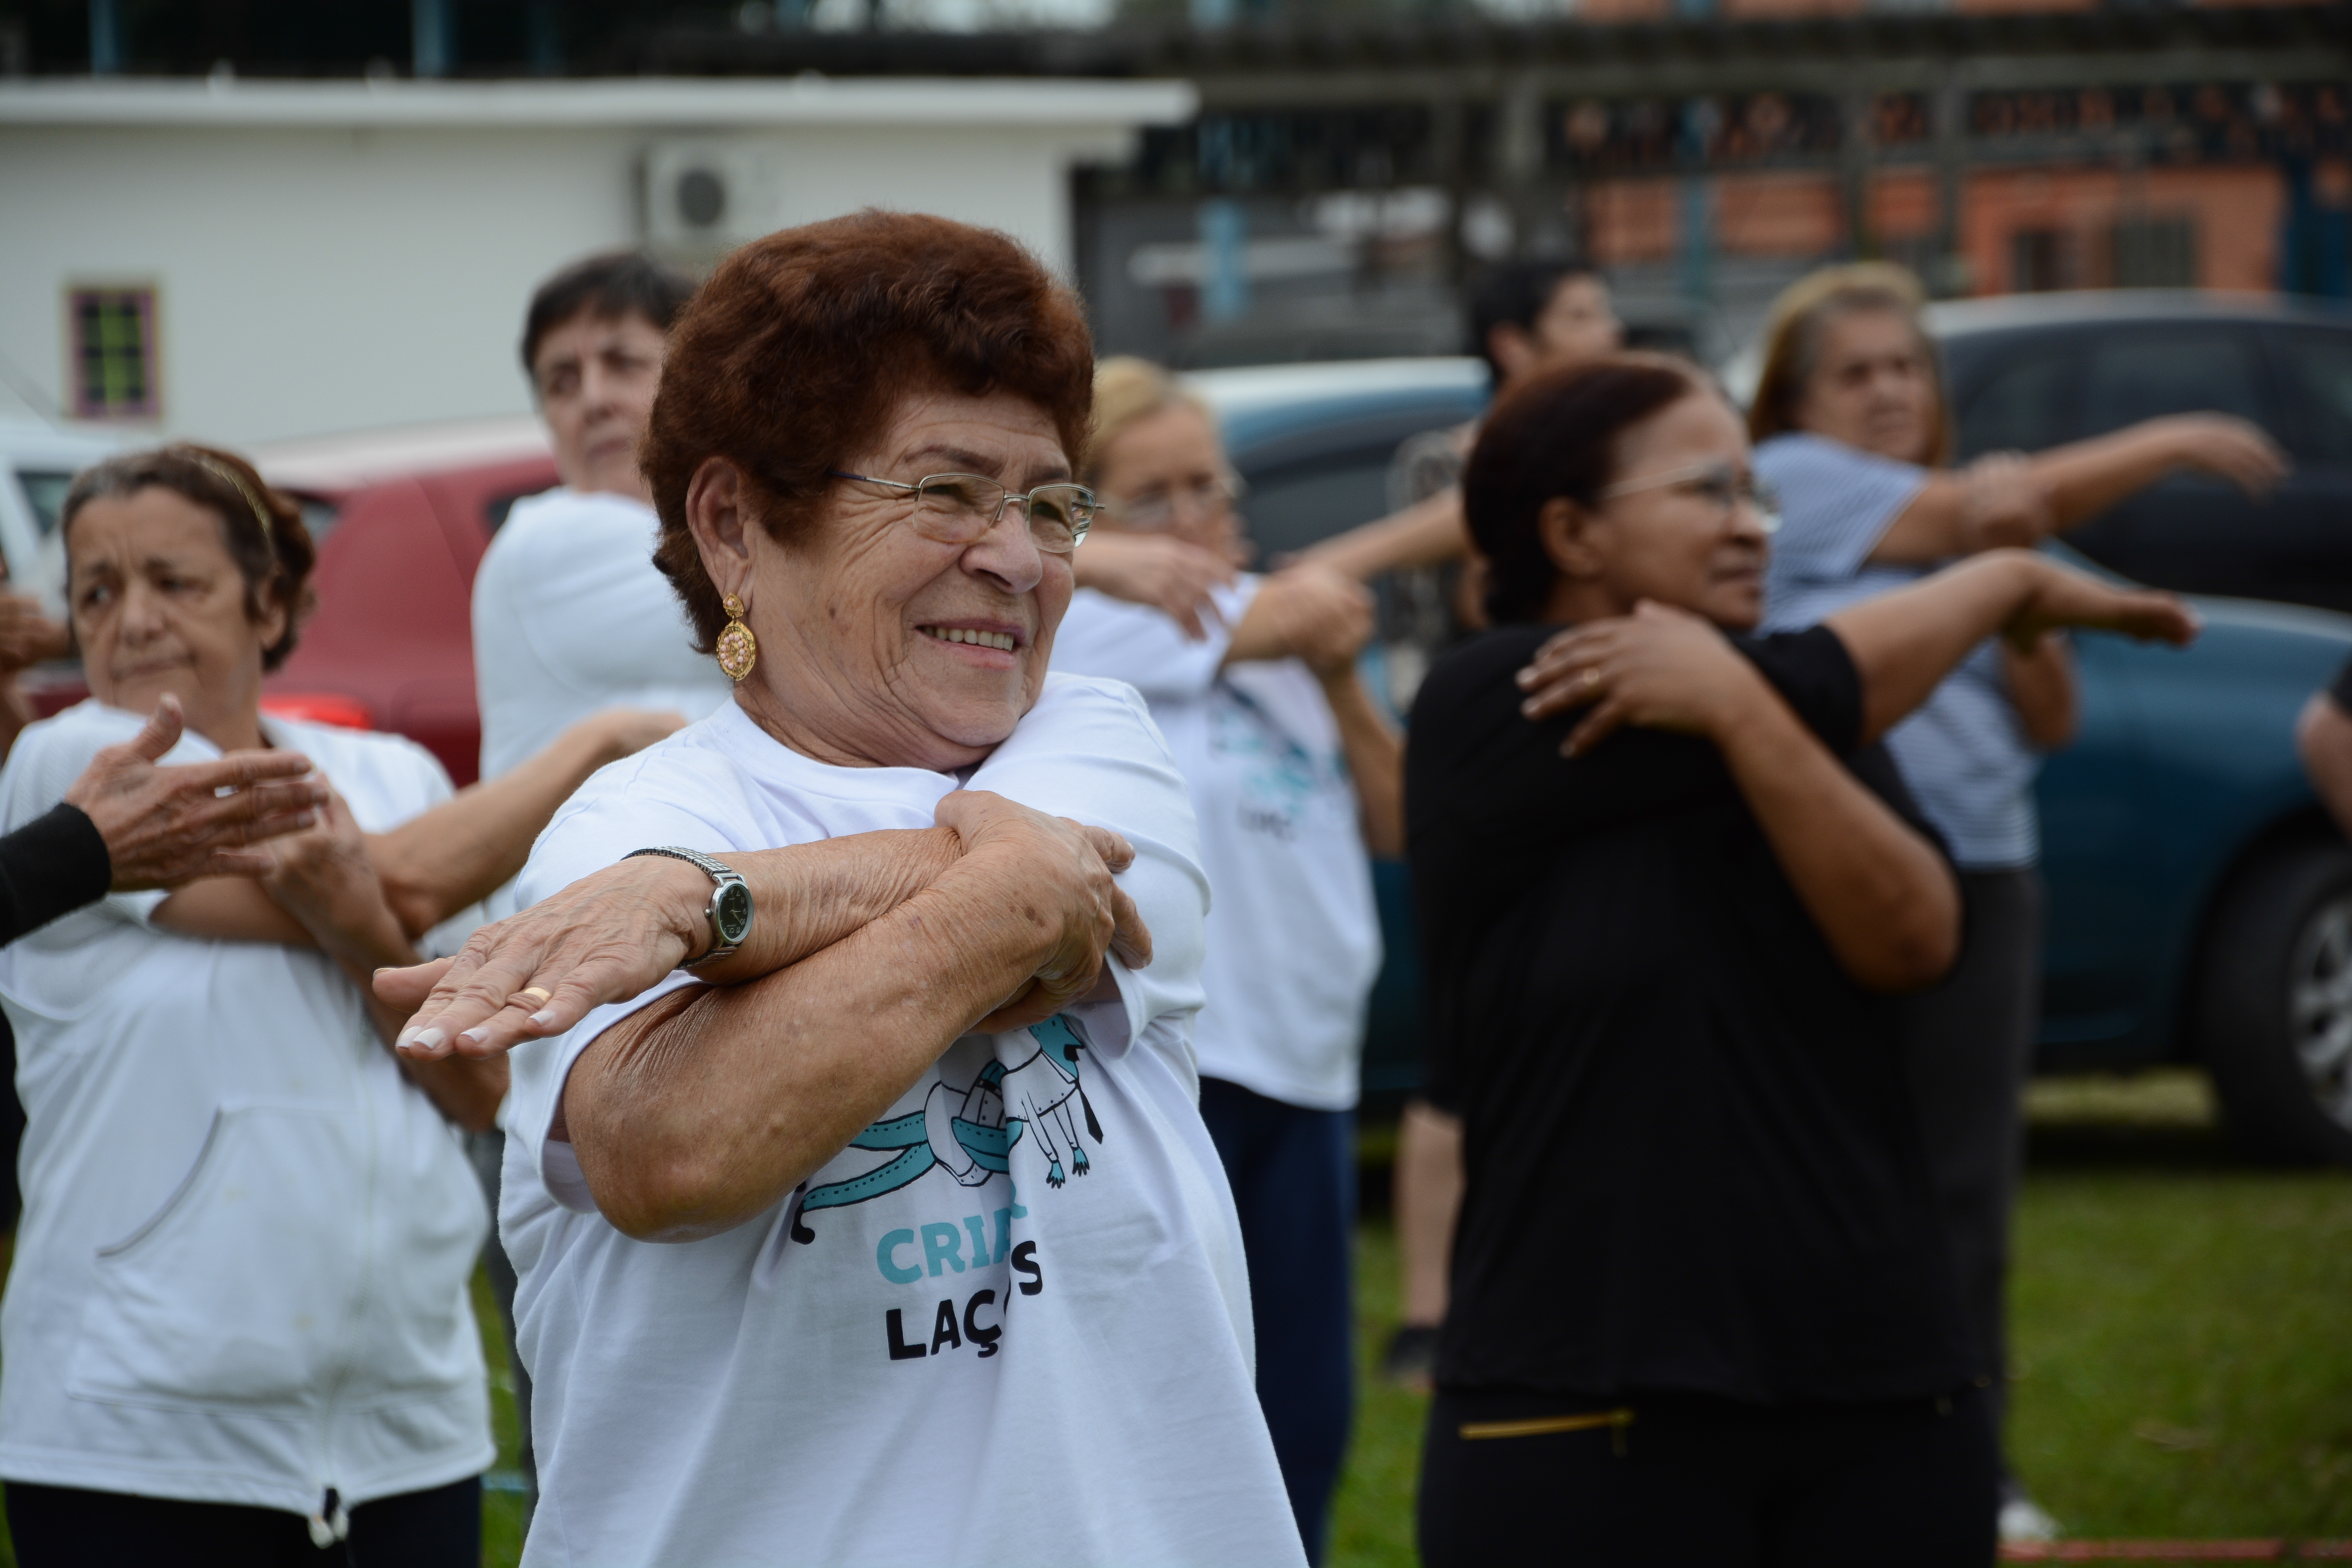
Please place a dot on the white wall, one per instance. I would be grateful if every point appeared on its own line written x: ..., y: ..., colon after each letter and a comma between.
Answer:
x: 318, y: 279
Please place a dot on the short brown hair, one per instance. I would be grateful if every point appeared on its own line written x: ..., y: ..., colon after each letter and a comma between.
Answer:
x: 608, y: 286
x: 262, y: 529
x: 1793, y: 343
x: 1556, y: 436
x: 798, y: 348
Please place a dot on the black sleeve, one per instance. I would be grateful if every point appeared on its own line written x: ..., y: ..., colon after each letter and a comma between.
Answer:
x: 1474, y: 761
x: 2340, y: 693
x: 1815, y: 675
x: 50, y: 867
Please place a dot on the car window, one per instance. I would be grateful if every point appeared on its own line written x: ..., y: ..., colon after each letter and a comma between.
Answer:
x: 2024, y: 405
x: 1291, y: 506
x: 2317, y: 367
x: 2142, y: 372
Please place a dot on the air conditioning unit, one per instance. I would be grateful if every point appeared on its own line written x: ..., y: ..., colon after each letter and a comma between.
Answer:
x: 702, y: 197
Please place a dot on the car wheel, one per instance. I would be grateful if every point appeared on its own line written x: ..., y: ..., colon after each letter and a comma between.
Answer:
x: 2275, y: 1006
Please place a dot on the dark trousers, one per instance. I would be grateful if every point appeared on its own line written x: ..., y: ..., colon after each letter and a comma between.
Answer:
x: 1294, y: 1178
x: 1679, y: 1479
x: 1968, y: 1047
x: 61, y: 1527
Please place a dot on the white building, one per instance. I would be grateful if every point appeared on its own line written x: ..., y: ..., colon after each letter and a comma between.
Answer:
x: 251, y: 261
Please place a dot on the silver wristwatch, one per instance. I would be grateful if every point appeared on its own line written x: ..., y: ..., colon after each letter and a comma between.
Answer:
x: 730, y: 900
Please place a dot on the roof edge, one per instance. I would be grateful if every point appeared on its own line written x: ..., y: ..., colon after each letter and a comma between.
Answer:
x: 664, y: 102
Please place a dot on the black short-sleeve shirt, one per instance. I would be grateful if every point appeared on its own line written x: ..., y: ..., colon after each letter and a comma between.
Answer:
x: 1693, y: 1163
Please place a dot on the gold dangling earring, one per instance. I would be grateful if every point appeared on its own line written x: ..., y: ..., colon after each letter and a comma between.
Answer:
x: 738, y: 649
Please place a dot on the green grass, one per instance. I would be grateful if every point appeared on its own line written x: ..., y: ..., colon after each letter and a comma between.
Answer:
x: 2183, y: 1331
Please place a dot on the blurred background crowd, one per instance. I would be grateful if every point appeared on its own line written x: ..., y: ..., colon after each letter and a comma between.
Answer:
x: 2121, y: 236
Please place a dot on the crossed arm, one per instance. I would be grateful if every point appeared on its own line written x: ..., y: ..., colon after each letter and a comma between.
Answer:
x: 1885, y: 902
x: 870, y: 955
x: 363, y: 899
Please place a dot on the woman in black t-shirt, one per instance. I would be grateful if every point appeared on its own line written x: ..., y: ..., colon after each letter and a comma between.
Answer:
x: 1667, y: 883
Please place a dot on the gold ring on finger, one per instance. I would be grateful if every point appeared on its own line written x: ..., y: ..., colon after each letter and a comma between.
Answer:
x: 538, y: 998
x: 1592, y: 678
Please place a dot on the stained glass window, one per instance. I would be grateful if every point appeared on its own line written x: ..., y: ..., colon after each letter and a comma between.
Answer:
x: 114, y: 353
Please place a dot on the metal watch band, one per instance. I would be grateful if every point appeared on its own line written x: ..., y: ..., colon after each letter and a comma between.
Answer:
x: 724, y: 878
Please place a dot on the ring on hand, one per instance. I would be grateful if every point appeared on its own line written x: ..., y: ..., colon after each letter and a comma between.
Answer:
x: 538, y: 998
x: 1590, y: 679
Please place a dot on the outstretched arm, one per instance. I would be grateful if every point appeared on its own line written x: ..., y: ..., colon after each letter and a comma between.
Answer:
x: 708, y: 1105
x: 438, y: 862
x: 1425, y: 533
x: 614, y: 934
x: 456, y: 854
x: 1904, y: 642
x: 2005, y: 500
x: 1156, y: 569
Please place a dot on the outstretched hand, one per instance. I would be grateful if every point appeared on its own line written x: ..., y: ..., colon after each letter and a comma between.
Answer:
x: 1170, y: 575
x: 609, y: 936
x: 166, y: 826
x: 1659, y: 667
x: 2228, y: 448
x: 2064, y: 598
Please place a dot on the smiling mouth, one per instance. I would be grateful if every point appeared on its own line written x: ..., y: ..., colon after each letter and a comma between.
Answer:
x: 1003, y: 642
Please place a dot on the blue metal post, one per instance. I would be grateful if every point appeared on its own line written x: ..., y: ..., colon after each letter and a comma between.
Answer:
x: 105, y: 39
x: 1224, y: 260
x: 433, y: 28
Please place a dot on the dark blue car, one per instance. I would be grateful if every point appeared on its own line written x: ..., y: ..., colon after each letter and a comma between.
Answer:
x: 2200, y: 903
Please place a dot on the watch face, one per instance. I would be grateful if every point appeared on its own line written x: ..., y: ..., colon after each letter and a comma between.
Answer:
x: 734, y: 911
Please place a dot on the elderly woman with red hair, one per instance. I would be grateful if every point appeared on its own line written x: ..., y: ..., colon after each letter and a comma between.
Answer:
x: 947, y: 1271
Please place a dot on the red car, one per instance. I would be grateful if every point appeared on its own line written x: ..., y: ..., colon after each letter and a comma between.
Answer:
x: 402, y: 518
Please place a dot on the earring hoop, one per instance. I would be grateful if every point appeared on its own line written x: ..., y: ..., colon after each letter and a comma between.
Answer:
x: 738, y: 649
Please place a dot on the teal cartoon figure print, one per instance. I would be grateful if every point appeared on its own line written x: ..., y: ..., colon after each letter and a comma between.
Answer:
x: 970, y: 1133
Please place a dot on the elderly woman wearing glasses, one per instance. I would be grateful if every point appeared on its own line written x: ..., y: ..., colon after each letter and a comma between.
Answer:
x: 946, y: 1272
x: 1668, y: 884
x: 1295, y: 774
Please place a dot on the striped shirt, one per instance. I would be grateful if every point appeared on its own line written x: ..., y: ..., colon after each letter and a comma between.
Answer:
x: 1964, y: 751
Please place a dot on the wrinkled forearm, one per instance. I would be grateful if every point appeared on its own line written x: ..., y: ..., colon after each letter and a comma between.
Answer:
x: 810, y: 896
x: 1375, y: 754
x: 1426, y: 533
x: 456, y: 853
x: 1903, y: 644
x: 709, y: 1105
x: 2085, y: 477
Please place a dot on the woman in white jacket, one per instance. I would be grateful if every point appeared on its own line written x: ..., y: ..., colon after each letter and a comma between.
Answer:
x: 237, y: 1328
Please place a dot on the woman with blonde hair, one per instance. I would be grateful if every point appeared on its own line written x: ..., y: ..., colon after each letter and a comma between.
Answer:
x: 1295, y: 773
x: 1853, y: 430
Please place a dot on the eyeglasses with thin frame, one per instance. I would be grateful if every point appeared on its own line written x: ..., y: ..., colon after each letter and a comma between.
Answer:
x: 1155, y: 509
x: 958, y: 509
x: 1718, y: 483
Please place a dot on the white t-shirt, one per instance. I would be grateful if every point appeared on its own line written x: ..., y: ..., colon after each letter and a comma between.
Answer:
x: 1295, y: 934
x: 1010, y: 1323
x: 241, y: 1274
x: 571, y: 616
